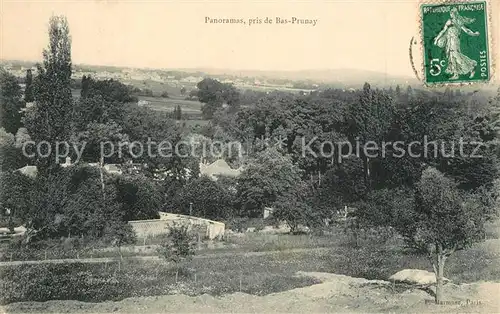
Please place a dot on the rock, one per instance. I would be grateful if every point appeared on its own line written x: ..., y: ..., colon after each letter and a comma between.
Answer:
x: 415, y: 276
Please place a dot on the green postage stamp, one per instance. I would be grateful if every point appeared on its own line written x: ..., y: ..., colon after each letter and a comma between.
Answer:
x: 455, y: 42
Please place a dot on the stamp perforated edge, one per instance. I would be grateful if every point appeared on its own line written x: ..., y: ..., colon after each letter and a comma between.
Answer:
x: 490, y: 7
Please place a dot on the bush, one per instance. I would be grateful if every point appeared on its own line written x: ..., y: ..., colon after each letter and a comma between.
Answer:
x: 179, y: 244
x: 242, y: 224
x: 19, y: 250
x: 74, y: 281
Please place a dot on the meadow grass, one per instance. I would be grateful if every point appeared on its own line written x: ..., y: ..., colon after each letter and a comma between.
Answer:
x: 247, y: 272
x: 168, y: 104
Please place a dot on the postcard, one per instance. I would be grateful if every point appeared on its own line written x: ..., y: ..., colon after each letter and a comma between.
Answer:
x: 167, y: 156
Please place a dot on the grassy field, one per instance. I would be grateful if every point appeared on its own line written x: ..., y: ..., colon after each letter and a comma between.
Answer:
x: 190, y: 109
x: 172, y: 88
x: 253, y: 274
x: 241, y: 270
x: 168, y: 104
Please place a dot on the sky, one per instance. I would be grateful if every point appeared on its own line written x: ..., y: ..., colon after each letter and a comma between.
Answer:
x: 359, y: 34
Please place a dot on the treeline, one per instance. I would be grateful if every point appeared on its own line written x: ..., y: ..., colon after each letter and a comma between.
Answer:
x: 84, y: 199
x: 434, y: 190
x: 435, y: 195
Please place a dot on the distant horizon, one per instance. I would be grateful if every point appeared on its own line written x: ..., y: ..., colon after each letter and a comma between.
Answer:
x: 212, y: 68
x: 167, y: 35
x: 370, y: 36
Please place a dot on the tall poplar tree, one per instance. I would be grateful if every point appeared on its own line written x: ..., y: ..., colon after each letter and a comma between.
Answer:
x: 28, y: 92
x: 50, y: 119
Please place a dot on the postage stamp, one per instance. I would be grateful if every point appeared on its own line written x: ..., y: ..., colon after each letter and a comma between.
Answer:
x: 455, y: 42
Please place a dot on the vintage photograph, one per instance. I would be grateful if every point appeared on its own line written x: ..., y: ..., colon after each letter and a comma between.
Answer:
x: 249, y: 156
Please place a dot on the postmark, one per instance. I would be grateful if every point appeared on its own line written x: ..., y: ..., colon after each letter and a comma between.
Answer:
x: 456, y: 44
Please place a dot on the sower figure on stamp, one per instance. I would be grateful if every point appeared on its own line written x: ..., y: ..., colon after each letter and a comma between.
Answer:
x: 449, y: 39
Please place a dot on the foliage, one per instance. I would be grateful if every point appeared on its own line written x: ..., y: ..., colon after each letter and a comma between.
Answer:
x: 110, y: 90
x: 209, y: 199
x: 265, y: 178
x: 177, y: 114
x: 369, y: 119
x: 71, y: 202
x: 10, y: 102
x: 140, y: 197
x: 443, y: 220
x: 50, y: 119
x: 214, y: 94
x: 145, y: 125
x: 67, y: 281
x: 11, y: 154
x: 28, y: 91
x: 112, y: 138
x: 52, y: 86
x: 342, y: 185
x: 294, y: 208
x: 179, y: 244
x: 97, y: 109
x: 16, y: 189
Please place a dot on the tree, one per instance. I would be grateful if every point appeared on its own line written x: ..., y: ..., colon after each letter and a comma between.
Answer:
x: 70, y: 202
x: 409, y: 93
x: 86, y: 82
x: 214, y: 94
x: 177, y: 113
x: 12, y: 157
x: 179, y: 244
x: 183, y: 90
x: 443, y: 220
x: 209, y: 199
x: 15, y: 188
x: 28, y: 92
x: 51, y: 117
x: 119, y: 233
x: 369, y: 120
x: 294, y: 208
x: 341, y: 186
x: 10, y: 102
x: 164, y: 94
x: 110, y: 90
x: 139, y: 197
x: 96, y: 109
x: 266, y: 177
x: 112, y: 138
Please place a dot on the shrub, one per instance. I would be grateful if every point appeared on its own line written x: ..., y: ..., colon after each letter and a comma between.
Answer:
x: 178, y: 245
x: 61, y: 282
x: 243, y: 223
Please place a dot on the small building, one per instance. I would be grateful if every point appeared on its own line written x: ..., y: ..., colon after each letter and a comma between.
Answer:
x: 205, y: 228
x: 30, y: 171
x: 142, y: 103
x: 267, y: 212
x: 219, y: 168
x: 112, y: 169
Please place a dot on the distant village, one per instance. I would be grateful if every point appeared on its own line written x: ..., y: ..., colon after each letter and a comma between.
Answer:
x: 179, y: 78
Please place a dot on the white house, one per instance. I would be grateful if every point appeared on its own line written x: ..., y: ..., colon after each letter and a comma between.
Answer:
x: 219, y: 168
